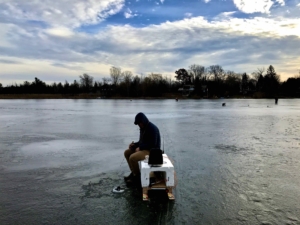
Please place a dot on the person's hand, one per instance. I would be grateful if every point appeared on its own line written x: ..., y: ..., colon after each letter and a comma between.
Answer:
x: 131, y: 145
x: 137, y: 149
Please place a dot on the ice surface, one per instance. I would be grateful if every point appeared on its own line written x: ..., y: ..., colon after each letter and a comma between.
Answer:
x: 238, y: 164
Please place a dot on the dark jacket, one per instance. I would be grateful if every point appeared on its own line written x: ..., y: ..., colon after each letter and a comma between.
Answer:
x: 149, y: 135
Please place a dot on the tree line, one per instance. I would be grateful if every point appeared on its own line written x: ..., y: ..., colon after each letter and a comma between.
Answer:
x: 212, y: 81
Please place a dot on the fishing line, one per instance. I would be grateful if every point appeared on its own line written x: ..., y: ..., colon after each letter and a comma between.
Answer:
x: 120, y: 189
x: 163, y: 144
x: 121, y: 165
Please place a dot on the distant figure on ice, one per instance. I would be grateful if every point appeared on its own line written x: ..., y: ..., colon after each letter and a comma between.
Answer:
x: 276, y: 100
x: 149, y: 138
x: 224, y: 104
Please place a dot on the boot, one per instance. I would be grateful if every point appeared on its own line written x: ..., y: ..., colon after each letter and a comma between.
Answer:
x: 134, y: 180
x: 128, y: 177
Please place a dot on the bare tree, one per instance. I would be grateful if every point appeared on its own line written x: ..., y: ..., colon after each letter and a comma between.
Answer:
x: 205, y: 75
x: 106, y: 80
x: 259, y: 72
x: 297, y: 76
x: 232, y: 77
x: 230, y: 74
x: 217, y: 72
x: 86, y: 82
x: 196, y: 71
x: 233, y: 82
x: 155, y: 77
x: 127, y: 76
x: 115, y: 74
x: 168, y: 79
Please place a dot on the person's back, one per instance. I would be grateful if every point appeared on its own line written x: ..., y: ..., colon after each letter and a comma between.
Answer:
x: 149, y: 137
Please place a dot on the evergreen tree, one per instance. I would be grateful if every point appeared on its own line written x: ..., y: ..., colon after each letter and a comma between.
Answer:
x: 183, y: 76
x: 245, y: 83
x: 271, y: 82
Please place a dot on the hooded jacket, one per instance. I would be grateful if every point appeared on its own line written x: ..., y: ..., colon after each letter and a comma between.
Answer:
x: 149, y: 135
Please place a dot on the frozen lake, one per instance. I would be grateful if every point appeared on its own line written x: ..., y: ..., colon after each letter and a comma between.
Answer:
x: 238, y: 164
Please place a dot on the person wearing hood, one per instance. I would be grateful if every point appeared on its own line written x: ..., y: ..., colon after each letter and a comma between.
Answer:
x: 149, y: 138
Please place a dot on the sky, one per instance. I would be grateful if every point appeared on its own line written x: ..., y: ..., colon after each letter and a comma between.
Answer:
x: 59, y: 40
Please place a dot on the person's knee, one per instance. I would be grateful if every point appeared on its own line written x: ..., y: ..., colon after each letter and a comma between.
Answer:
x: 132, y: 158
x: 127, y: 153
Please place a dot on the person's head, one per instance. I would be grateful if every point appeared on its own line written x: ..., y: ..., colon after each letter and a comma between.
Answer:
x: 141, y: 125
x: 141, y: 120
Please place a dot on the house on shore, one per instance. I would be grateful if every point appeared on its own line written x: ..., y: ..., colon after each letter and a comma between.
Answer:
x: 186, y: 90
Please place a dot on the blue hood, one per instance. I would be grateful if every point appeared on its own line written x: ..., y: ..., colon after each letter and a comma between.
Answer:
x: 141, y: 118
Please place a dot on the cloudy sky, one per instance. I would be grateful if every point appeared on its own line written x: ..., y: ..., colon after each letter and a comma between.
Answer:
x: 58, y: 40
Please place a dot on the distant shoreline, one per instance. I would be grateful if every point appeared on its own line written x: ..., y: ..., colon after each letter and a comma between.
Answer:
x: 97, y: 96
x: 48, y: 96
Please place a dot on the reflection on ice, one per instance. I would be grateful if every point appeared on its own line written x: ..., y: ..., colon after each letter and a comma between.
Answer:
x: 235, y: 165
x: 61, y: 147
x: 156, y: 115
x: 65, y: 154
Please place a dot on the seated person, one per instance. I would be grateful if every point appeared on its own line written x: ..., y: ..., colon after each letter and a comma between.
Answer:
x: 149, y: 138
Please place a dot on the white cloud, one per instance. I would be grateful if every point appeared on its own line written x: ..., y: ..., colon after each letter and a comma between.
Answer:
x: 298, y: 5
x: 162, y: 1
x: 188, y: 15
x: 238, y: 44
x: 252, y: 6
x: 60, y: 32
x: 4, y: 41
x: 263, y: 27
x: 71, y: 13
x: 281, y: 2
x: 128, y: 14
x: 206, y: 1
x: 224, y: 15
